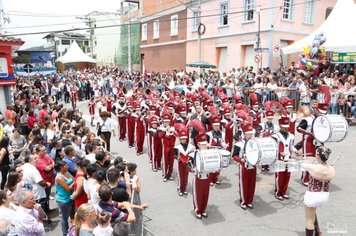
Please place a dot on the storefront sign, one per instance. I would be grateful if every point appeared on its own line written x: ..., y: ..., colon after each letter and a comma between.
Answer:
x: 4, y: 72
x: 344, y: 57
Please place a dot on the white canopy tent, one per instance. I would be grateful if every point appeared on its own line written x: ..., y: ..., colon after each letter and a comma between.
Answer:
x: 75, y: 54
x: 337, y: 28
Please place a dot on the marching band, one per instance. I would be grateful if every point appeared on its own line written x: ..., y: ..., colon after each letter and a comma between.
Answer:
x: 204, y: 132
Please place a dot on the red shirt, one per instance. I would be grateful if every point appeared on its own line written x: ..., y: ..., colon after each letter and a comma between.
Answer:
x: 42, y: 115
x: 31, y: 121
x: 83, y: 198
x: 42, y: 163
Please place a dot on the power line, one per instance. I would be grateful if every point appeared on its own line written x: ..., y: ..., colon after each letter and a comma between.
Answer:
x: 135, y: 23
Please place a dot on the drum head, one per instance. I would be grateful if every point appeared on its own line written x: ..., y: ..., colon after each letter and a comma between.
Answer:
x: 198, y: 161
x: 321, y: 128
x: 224, y: 152
x: 252, y: 151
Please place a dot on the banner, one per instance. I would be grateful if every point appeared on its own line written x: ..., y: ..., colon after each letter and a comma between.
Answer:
x: 344, y: 57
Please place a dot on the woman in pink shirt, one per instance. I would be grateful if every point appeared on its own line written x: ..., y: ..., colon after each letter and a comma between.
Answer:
x: 45, y: 166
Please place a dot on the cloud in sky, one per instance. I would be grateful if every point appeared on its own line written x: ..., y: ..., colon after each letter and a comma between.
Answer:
x: 16, y: 10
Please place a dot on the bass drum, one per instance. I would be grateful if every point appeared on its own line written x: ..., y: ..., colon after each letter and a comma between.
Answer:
x: 208, y: 161
x: 225, y: 158
x: 263, y: 151
x: 330, y: 128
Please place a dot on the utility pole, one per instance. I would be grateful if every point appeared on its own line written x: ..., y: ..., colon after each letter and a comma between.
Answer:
x: 258, y: 11
x: 199, y: 35
x: 1, y: 18
x: 89, y: 21
x: 129, y: 44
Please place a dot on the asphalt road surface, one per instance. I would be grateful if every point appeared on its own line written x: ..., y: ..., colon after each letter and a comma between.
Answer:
x: 174, y: 215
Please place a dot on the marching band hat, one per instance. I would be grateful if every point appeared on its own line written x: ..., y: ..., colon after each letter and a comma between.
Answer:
x: 182, y: 110
x: 137, y: 106
x: 323, y: 107
x: 284, y: 122
x: 227, y: 111
x: 167, y: 117
x: 153, y: 120
x: 183, y: 134
x: 201, y: 139
x: 255, y: 103
x: 129, y: 104
x: 269, y: 114
x: 289, y: 104
x: 152, y: 108
x: 215, y: 121
x: 170, y: 105
x: 247, y: 129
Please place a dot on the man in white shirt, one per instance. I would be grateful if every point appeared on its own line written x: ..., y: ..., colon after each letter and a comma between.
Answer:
x: 9, y: 128
x: 30, y: 216
x: 32, y: 177
x: 77, y: 143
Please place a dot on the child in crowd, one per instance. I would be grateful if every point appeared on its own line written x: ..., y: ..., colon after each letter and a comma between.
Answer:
x: 104, y: 228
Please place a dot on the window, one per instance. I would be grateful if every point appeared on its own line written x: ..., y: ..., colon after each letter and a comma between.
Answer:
x: 196, y: 21
x: 249, y: 9
x: 86, y: 43
x: 308, y: 11
x: 156, y: 29
x: 287, y: 9
x: 65, y: 42
x: 144, y: 32
x: 174, y: 25
x: 224, y: 17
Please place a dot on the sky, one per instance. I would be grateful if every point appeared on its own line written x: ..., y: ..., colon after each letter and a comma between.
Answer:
x: 26, y: 13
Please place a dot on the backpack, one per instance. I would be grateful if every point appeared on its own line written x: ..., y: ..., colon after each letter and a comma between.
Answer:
x: 71, y: 231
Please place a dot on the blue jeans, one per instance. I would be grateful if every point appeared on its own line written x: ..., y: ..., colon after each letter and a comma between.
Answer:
x: 333, y: 108
x: 353, y: 111
x: 65, y: 210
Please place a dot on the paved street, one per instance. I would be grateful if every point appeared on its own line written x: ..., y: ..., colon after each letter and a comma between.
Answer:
x: 173, y: 215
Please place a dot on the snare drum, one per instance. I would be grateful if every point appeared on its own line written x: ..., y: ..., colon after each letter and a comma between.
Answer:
x: 330, y: 128
x: 293, y: 166
x: 225, y: 158
x: 263, y: 151
x: 208, y: 161
x: 278, y: 166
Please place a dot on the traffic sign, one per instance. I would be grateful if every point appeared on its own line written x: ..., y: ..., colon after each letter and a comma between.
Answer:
x: 28, y: 68
x: 257, y: 58
x: 276, y: 48
x: 263, y: 50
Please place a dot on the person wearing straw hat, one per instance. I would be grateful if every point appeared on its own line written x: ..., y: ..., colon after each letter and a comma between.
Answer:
x: 247, y: 172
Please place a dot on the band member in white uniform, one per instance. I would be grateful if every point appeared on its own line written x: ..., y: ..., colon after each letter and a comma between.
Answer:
x: 317, y: 194
x: 285, y: 141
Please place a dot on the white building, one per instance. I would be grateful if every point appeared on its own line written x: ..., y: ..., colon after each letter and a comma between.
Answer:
x: 104, y: 38
x: 59, y: 43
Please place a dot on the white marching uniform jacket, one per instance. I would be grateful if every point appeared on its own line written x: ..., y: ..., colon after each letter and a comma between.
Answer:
x: 287, y: 144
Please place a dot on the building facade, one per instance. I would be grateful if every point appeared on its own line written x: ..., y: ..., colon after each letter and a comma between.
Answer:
x: 59, y: 43
x: 163, y: 35
x: 232, y: 30
x: 128, y: 55
x: 8, y: 46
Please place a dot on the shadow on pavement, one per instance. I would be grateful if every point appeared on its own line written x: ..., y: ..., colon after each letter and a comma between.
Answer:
x: 261, y: 207
x: 214, y: 215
